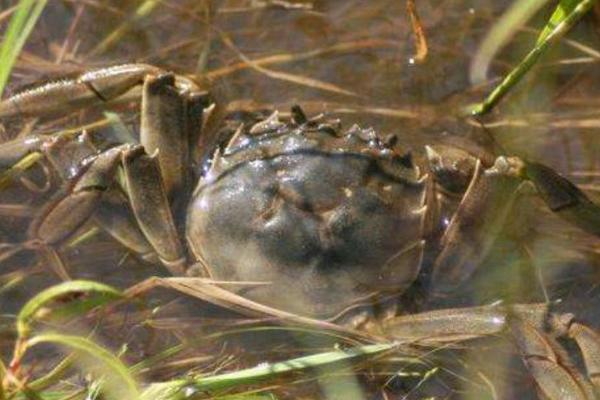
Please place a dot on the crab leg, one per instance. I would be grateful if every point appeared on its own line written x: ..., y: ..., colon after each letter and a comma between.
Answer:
x: 88, y: 89
x: 172, y: 111
x: 458, y: 324
x: 485, y: 206
x: 171, y: 123
x: 548, y: 363
x: 114, y: 216
x: 563, y: 197
x: 588, y: 340
x: 475, y: 225
x: 64, y: 151
x: 109, y: 207
x: 92, y: 194
x: 70, y: 208
x: 15, y: 150
x: 150, y: 205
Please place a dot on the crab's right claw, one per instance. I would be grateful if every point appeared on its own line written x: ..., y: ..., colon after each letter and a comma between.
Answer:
x: 563, y: 197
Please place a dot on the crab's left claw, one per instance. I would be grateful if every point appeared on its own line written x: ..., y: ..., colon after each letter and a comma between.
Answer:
x: 563, y: 197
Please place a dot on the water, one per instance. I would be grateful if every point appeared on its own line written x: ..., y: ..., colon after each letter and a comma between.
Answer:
x: 352, y: 59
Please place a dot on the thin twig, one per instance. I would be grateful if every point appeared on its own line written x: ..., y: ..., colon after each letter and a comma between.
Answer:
x: 418, y: 31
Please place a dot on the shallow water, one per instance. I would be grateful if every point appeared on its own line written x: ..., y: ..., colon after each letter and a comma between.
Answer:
x: 351, y: 59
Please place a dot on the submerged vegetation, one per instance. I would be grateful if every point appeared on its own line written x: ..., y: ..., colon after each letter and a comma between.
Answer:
x: 143, y: 341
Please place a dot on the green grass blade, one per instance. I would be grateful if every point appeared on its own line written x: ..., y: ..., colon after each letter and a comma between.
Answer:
x: 97, y: 294
x: 531, y: 58
x: 15, y: 26
x: 564, y: 8
x: 118, y: 382
x: 180, y: 389
x: 24, y: 164
x: 30, y: 23
x: 53, y: 376
x: 19, y: 29
x: 500, y: 34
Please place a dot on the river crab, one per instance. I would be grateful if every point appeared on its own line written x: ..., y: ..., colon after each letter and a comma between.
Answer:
x: 319, y: 216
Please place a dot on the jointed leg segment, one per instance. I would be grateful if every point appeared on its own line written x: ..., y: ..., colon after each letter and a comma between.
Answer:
x: 88, y: 89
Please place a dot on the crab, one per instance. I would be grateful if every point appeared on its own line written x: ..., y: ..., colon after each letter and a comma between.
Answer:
x: 319, y: 218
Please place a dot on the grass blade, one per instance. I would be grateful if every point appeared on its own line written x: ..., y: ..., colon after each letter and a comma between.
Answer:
x: 19, y: 29
x: 499, y: 35
x: 118, y: 382
x: 531, y: 58
x: 101, y: 294
x: 564, y: 8
x: 180, y: 389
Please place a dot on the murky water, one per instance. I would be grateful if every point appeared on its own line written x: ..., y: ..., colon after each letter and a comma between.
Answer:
x: 352, y: 59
